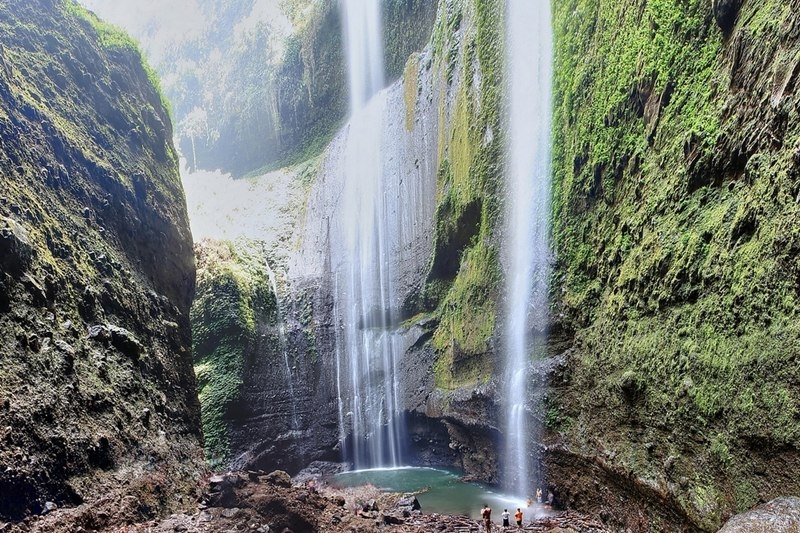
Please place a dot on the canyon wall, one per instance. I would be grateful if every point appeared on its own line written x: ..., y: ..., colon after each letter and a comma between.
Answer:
x: 675, y: 229
x: 97, y: 393
x: 669, y: 388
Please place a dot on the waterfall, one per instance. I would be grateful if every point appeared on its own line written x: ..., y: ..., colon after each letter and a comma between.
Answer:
x: 367, y: 349
x: 529, y: 56
x: 364, y: 48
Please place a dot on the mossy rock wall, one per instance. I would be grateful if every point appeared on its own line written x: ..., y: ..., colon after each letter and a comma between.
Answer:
x: 256, y: 360
x: 675, y: 227
x: 97, y: 393
x: 461, y: 289
x: 233, y: 298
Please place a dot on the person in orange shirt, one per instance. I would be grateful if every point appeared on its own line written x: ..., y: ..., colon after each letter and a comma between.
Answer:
x: 518, y: 517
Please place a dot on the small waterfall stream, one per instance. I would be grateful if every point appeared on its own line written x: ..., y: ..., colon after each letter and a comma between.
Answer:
x: 529, y: 56
x: 284, y: 345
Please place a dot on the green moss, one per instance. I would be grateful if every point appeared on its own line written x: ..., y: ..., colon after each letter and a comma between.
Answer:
x: 675, y: 224
x: 462, y: 286
x: 467, y: 320
x: 233, y: 297
x: 114, y: 38
x: 719, y: 448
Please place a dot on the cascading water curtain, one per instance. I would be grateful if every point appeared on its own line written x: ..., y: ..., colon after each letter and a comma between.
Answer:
x: 367, y: 354
x: 527, y: 256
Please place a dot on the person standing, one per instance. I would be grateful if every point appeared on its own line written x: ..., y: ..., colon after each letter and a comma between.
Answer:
x: 505, y: 516
x: 486, y: 514
x: 538, y: 495
x: 518, y: 517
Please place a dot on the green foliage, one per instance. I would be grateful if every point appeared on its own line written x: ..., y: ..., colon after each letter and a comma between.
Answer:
x: 233, y: 297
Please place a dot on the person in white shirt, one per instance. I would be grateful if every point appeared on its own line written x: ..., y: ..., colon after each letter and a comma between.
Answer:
x: 505, y: 514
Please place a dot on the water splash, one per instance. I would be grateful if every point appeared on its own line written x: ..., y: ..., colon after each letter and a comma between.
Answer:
x: 529, y: 53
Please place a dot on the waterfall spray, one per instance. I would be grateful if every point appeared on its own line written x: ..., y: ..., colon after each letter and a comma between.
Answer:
x: 529, y: 52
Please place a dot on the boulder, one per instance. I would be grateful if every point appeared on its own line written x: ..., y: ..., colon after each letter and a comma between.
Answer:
x: 279, y: 478
x: 16, y: 251
x: 408, y: 502
x: 781, y: 515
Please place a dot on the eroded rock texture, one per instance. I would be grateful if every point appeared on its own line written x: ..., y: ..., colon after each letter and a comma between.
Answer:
x: 97, y: 274
x: 675, y: 231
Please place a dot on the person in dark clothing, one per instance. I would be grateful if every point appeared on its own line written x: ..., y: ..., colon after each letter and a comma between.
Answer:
x: 486, y: 514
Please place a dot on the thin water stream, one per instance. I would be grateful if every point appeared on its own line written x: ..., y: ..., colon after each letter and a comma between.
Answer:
x: 284, y: 345
x: 529, y: 53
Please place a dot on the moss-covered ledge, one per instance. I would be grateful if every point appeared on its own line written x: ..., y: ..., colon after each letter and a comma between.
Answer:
x: 461, y: 290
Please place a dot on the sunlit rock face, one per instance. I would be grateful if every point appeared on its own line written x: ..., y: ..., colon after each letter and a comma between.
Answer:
x: 308, y: 425
x: 97, y: 393
x: 781, y: 515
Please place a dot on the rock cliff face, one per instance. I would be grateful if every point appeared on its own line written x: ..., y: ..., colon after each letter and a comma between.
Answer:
x: 283, y: 412
x: 260, y: 84
x: 670, y: 392
x: 677, y: 176
x: 442, y: 145
x: 97, y: 392
x: 266, y: 397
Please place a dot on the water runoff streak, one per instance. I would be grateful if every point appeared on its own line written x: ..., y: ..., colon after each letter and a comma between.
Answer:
x: 284, y: 345
x: 529, y: 52
x: 367, y: 351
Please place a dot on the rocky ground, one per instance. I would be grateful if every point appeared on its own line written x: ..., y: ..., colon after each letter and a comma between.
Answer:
x: 260, y: 502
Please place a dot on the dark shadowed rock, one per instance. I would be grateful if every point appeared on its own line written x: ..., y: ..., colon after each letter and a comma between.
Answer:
x: 69, y: 102
x: 124, y: 341
x: 279, y: 478
x: 725, y: 12
x: 15, y: 247
x: 409, y: 502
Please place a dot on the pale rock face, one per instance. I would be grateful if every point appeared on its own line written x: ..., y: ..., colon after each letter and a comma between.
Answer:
x: 781, y: 515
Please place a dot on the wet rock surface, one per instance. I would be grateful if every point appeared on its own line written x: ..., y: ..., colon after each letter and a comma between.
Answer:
x: 645, y: 428
x: 96, y: 276
x: 725, y: 12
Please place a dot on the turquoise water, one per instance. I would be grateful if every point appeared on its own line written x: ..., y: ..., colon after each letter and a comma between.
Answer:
x: 445, y: 494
